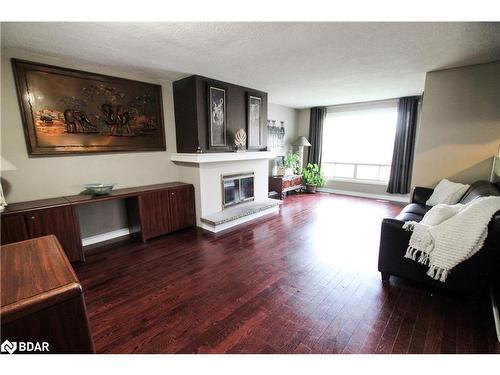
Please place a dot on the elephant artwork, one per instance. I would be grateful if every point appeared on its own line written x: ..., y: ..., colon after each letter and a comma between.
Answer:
x: 68, y: 111
x: 118, y: 120
x: 145, y: 123
x: 78, y: 122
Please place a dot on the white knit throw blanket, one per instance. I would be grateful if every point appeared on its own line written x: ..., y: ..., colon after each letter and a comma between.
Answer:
x: 450, y: 234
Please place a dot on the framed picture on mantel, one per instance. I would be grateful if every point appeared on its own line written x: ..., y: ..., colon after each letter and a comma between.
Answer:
x: 254, y: 116
x: 217, y: 119
x: 67, y: 111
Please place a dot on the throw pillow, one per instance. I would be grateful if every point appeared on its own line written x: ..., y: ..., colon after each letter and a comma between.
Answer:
x: 441, y: 212
x: 447, y: 192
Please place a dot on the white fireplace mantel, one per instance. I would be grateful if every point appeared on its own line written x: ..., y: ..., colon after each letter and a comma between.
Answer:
x: 205, y: 172
x: 201, y: 158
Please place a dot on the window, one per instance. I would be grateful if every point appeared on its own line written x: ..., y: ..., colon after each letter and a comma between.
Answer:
x: 358, y: 141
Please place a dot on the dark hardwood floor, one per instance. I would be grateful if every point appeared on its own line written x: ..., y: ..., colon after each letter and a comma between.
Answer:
x: 303, y: 281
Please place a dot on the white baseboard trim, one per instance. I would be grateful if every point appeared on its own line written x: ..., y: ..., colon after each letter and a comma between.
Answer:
x: 105, y: 236
x: 404, y: 199
x: 224, y: 226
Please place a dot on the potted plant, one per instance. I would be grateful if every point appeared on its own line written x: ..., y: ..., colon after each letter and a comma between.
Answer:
x: 313, y: 177
x: 291, y: 163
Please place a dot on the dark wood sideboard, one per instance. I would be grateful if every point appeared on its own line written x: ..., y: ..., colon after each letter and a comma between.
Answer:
x: 42, y: 299
x: 282, y: 185
x: 152, y: 211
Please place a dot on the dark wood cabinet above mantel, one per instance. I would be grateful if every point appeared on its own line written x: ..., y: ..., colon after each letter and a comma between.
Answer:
x: 191, y: 113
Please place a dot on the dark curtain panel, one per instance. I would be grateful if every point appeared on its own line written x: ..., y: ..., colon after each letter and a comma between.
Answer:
x: 318, y: 115
x: 404, y: 144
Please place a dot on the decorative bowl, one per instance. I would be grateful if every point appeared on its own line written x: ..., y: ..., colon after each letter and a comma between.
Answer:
x: 99, y: 188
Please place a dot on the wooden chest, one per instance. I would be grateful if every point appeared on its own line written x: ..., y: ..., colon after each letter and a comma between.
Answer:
x: 282, y: 185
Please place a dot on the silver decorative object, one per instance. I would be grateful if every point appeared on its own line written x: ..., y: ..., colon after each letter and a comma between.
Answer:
x: 99, y: 188
x: 276, y: 134
x: 281, y: 135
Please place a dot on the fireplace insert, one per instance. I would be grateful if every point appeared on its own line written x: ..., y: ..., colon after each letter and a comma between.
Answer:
x: 237, y: 188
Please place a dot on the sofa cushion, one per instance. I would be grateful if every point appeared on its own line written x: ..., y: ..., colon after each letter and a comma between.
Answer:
x: 414, y: 208
x: 479, y: 189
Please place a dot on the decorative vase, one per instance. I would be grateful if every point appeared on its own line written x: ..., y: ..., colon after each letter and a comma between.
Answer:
x: 274, y: 171
x: 240, y: 140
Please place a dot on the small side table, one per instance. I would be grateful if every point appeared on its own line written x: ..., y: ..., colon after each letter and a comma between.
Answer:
x: 282, y: 185
x: 42, y: 299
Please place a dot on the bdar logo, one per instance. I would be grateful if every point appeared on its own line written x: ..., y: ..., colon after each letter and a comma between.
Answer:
x: 24, y: 346
x: 8, y: 346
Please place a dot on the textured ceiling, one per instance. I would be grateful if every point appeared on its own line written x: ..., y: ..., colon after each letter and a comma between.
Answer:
x: 298, y: 64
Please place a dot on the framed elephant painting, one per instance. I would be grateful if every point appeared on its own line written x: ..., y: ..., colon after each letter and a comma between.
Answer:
x: 66, y: 111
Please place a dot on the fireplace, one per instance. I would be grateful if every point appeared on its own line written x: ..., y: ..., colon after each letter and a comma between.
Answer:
x: 237, y: 188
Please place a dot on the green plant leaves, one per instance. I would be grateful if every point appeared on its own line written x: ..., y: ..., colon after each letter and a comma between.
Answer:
x: 292, y: 161
x: 313, y: 175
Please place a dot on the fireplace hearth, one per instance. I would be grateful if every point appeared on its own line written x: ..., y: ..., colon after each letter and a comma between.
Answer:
x: 237, y: 188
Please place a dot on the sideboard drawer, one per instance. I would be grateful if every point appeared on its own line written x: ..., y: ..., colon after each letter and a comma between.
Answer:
x: 59, y: 221
x: 154, y: 210
x: 182, y: 211
x: 14, y: 229
x: 166, y: 211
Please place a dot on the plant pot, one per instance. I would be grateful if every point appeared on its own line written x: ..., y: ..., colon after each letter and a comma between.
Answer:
x: 288, y: 171
x: 311, y: 188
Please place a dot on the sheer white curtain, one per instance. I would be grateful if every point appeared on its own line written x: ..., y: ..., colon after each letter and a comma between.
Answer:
x: 358, y: 140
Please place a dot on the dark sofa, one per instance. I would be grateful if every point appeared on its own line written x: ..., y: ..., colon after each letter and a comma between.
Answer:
x: 470, y: 276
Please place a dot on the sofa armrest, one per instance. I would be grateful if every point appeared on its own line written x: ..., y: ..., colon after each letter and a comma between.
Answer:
x: 392, y: 224
x: 421, y: 195
x: 393, y: 244
x: 392, y: 229
x: 493, y: 238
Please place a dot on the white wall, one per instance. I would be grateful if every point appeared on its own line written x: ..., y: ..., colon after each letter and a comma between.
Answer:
x: 102, y: 217
x: 290, y: 117
x: 304, y: 116
x: 303, y: 128
x: 45, y: 177
x: 460, y: 125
